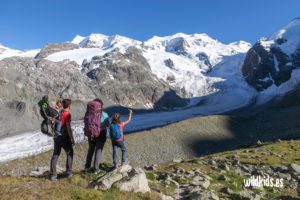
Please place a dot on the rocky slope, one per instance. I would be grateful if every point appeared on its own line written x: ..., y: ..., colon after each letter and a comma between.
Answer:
x: 224, y: 175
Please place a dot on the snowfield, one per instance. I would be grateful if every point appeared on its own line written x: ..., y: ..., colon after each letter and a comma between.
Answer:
x: 77, y: 55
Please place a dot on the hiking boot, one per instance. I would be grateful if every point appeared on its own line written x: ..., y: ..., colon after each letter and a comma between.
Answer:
x: 124, y: 163
x: 113, y: 168
x: 53, y: 177
x: 87, y: 170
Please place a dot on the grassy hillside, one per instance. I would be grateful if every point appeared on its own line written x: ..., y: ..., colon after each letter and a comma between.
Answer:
x: 281, y: 153
x: 28, y: 188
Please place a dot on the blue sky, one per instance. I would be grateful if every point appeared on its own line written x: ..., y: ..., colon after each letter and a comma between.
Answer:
x: 33, y: 23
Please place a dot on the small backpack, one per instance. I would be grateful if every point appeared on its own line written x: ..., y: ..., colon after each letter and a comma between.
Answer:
x: 115, y: 132
x: 46, y: 125
x: 49, y: 111
x: 47, y: 128
x: 92, y: 119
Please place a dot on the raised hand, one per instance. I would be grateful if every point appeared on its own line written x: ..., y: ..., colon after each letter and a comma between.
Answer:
x: 130, y: 111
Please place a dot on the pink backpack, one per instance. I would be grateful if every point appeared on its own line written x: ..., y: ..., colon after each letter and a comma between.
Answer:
x: 92, y: 119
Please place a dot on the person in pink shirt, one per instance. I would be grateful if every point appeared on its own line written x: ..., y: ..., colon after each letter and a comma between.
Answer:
x: 117, y: 137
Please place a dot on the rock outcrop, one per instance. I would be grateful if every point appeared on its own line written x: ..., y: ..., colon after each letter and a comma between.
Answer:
x: 125, y: 178
x: 177, y: 46
x: 264, y: 67
x: 295, y: 168
x: 169, y: 63
x: 204, y: 58
x: 137, y: 182
x: 55, y: 47
x: 127, y: 79
x: 271, y: 61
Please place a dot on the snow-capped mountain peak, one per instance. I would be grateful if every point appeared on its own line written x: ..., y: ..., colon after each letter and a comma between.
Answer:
x: 171, y: 58
x: 104, y: 41
x: 177, y: 58
x: 77, y: 39
x: 93, y: 40
x: 240, y: 46
x: 193, y: 39
x: 288, y: 36
x: 6, y: 52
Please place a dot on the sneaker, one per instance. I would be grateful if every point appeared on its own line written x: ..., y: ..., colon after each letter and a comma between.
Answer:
x: 69, y: 176
x: 124, y: 163
x: 53, y: 177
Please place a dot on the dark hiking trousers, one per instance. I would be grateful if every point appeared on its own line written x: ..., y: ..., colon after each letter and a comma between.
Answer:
x: 59, y: 143
x: 95, y: 149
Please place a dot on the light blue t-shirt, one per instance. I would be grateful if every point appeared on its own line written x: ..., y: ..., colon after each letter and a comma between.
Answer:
x: 104, y: 117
